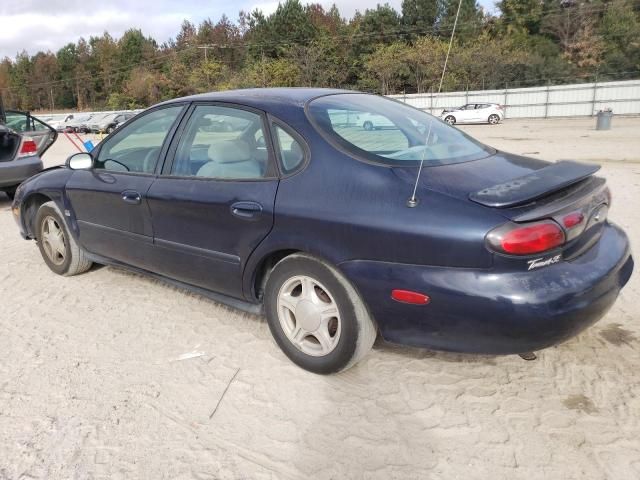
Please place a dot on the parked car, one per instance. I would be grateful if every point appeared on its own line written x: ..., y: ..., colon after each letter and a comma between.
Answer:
x: 491, y: 113
x: 335, y: 233
x: 370, y: 121
x: 21, y: 147
x: 107, y: 123
x: 62, y: 125
x: 80, y: 124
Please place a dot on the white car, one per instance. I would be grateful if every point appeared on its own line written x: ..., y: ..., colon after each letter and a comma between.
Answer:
x: 474, y: 113
x: 371, y: 121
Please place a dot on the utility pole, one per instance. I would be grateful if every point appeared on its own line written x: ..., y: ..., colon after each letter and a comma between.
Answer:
x: 206, y: 61
x: 205, y: 48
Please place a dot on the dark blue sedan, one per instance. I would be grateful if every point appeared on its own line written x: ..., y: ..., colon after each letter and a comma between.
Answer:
x: 279, y: 201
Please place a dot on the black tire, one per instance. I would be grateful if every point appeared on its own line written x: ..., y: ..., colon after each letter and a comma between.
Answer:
x: 368, y: 126
x: 11, y: 192
x: 110, y: 130
x: 357, y: 329
x: 450, y: 119
x: 494, y: 119
x: 74, y: 261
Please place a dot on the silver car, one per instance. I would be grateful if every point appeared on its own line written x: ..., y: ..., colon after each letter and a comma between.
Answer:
x: 23, y: 140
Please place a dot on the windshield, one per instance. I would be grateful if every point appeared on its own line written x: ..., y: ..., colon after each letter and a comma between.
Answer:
x: 385, y: 131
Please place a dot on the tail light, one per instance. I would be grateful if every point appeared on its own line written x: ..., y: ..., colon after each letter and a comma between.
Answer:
x: 28, y: 147
x: 526, y: 239
x: 500, y: 107
x: 573, y: 219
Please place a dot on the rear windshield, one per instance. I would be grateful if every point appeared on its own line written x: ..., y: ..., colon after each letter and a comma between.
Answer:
x: 384, y: 131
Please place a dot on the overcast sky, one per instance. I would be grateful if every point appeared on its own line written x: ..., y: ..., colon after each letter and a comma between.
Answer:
x: 34, y: 25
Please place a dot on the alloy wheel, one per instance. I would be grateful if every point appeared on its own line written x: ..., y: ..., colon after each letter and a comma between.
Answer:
x: 53, y: 241
x: 309, y: 315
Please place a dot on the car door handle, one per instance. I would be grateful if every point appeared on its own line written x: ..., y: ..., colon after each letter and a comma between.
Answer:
x: 246, y: 210
x: 132, y: 197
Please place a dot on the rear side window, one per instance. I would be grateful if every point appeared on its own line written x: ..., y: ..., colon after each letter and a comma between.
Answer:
x: 289, y: 149
x: 384, y: 131
x: 222, y: 143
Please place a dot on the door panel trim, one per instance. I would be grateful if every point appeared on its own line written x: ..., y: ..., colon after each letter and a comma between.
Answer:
x: 197, y: 251
x: 123, y: 233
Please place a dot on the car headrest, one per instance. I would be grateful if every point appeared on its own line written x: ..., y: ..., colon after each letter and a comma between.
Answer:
x: 230, y: 151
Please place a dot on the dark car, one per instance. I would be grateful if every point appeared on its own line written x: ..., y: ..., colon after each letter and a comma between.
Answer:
x: 315, y: 221
x: 23, y: 139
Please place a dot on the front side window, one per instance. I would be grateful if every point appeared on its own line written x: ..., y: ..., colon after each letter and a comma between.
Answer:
x: 385, y: 131
x: 136, y: 148
x: 222, y: 143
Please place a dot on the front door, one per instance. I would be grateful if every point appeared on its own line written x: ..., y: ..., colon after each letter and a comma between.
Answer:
x: 110, y: 200
x: 213, y: 204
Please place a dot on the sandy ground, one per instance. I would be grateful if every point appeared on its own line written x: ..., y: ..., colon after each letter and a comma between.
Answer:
x: 92, y: 385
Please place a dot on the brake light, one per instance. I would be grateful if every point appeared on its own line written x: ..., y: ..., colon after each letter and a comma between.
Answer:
x: 526, y: 239
x: 28, y: 147
x: 573, y: 219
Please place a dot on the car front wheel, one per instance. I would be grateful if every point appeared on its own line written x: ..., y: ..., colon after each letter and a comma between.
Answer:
x: 58, y: 248
x: 10, y: 192
x: 368, y: 126
x: 450, y: 119
x: 316, y: 316
x: 494, y: 119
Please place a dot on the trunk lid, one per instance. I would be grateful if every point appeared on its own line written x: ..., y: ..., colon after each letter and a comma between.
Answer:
x: 523, y: 189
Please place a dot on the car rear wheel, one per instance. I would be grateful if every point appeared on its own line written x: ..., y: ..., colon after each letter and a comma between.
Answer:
x: 58, y: 248
x: 368, y: 126
x: 450, y: 119
x: 494, y: 119
x: 316, y: 316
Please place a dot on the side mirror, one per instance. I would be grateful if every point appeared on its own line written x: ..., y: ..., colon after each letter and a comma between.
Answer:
x: 80, y: 161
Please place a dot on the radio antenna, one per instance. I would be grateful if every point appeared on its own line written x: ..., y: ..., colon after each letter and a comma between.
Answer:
x: 413, y: 200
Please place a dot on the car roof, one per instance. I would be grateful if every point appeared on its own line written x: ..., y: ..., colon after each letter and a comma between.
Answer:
x: 262, y: 97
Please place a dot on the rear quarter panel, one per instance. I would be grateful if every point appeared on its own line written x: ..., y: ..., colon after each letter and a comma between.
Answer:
x: 339, y: 208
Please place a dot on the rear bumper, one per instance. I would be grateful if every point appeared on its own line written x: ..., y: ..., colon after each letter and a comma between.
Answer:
x: 486, y: 311
x: 17, y: 171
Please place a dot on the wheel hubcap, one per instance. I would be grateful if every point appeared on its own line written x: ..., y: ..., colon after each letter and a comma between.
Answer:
x: 309, y: 316
x: 53, y: 241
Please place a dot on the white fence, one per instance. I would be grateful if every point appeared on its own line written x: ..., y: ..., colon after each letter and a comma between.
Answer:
x: 581, y: 99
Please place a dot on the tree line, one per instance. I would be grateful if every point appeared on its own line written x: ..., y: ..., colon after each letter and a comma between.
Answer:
x: 523, y: 43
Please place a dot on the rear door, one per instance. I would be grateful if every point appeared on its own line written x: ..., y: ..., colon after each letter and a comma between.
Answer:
x: 29, y: 126
x: 213, y: 204
x: 110, y: 200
